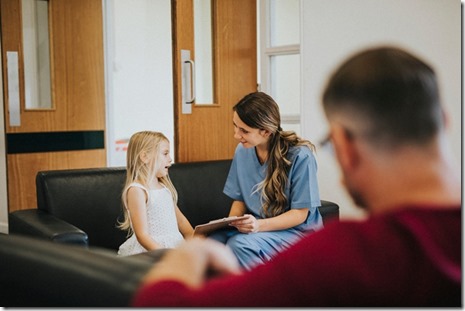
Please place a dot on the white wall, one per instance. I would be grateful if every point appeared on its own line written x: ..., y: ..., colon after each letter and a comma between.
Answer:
x: 139, y: 83
x: 332, y: 30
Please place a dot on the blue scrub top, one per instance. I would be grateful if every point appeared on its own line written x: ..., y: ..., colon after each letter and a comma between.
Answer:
x: 302, y: 191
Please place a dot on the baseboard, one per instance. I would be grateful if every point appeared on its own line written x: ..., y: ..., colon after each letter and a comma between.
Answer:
x: 4, y: 227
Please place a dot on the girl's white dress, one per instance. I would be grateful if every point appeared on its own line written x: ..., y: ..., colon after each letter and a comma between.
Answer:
x: 161, y: 218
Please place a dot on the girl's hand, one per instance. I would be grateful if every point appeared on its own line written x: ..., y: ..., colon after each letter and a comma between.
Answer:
x: 248, y: 225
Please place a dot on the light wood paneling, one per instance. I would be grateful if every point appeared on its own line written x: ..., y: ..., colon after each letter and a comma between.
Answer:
x: 76, y: 33
x: 10, y: 15
x: 28, y: 164
x: 77, y: 69
x: 207, y: 133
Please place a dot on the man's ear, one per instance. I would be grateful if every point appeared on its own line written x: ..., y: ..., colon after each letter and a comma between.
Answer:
x: 344, y: 147
x: 445, y: 118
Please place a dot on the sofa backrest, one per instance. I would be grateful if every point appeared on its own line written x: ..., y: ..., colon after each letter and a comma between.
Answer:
x: 200, y: 189
x: 90, y: 199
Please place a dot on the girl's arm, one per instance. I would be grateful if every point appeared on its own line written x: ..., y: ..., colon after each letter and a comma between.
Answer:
x: 138, y: 212
x: 184, y: 225
x: 289, y: 219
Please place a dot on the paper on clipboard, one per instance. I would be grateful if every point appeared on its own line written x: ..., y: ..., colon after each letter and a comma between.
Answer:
x: 216, y: 224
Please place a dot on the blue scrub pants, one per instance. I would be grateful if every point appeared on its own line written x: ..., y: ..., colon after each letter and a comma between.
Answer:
x: 256, y: 248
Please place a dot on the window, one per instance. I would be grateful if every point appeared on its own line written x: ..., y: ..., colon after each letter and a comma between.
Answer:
x: 279, y: 33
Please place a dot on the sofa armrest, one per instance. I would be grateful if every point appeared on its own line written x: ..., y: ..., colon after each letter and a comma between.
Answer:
x: 40, y: 224
x: 329, y: 211
x: 38, y: 273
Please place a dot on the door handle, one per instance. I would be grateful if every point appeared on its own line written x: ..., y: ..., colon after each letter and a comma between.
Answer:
x: 187, y: 82
x: 192, y: 64
x: 14, y: 110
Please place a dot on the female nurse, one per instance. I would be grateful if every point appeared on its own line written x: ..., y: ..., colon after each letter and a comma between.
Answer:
x: 272, y: 180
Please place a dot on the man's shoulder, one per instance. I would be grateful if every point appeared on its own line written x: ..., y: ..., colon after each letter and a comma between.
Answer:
x: 398, y: 222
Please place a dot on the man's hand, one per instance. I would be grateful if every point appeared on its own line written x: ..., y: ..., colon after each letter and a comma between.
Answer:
x: 193, y: 262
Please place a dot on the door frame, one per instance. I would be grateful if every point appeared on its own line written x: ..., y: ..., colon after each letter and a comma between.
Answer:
x: 3, y: 173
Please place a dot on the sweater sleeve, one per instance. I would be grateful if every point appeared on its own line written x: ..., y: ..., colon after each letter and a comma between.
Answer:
x: 265, y: 286
x: 381, y: 262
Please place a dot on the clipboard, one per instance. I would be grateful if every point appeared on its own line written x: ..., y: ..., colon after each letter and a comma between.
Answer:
x: 216, y: 224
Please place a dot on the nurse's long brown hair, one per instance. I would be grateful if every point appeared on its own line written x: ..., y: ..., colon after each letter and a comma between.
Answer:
x: 259, y: 110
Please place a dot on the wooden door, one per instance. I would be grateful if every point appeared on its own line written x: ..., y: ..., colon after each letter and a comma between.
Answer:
x: 71, y: 134
x: 207, y: 133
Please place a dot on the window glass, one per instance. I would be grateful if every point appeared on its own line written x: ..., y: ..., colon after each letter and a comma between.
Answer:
x: 203, y: 52
x: 284, y: 22
x: 36, y: 54
x: 285, y: 82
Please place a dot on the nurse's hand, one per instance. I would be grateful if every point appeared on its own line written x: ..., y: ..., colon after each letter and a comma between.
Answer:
x: 247, y: 225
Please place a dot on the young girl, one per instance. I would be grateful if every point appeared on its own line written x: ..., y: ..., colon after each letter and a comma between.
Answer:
x: 273, y: 180
x: 151, y: 215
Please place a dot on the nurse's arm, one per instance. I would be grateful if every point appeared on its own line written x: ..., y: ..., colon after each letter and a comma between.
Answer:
x: 237, y: 208
x: 284, y: 221
x: 289, y: 219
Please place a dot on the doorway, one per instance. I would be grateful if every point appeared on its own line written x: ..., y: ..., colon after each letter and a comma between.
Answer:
x: 204, y: 129
x: 69, y: 131
x: 138, y: 72
x: 143, y: 60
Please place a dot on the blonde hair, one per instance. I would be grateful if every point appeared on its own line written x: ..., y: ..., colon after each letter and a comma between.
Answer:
x: 145, y: 143
x: 259, y: 110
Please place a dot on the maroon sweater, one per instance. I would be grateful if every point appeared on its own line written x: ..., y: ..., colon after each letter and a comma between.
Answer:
x: 408, y: 258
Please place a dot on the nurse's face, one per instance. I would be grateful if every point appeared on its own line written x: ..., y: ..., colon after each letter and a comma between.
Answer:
x: 249, y: 137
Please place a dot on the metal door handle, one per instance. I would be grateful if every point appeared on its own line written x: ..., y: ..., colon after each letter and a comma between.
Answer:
x: 192, y: 99
x: 187, y: 82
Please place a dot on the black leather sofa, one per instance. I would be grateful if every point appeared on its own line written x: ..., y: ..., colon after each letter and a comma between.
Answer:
x: 39, y: 273
x: 82, y: 206
x: 79, y: 208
